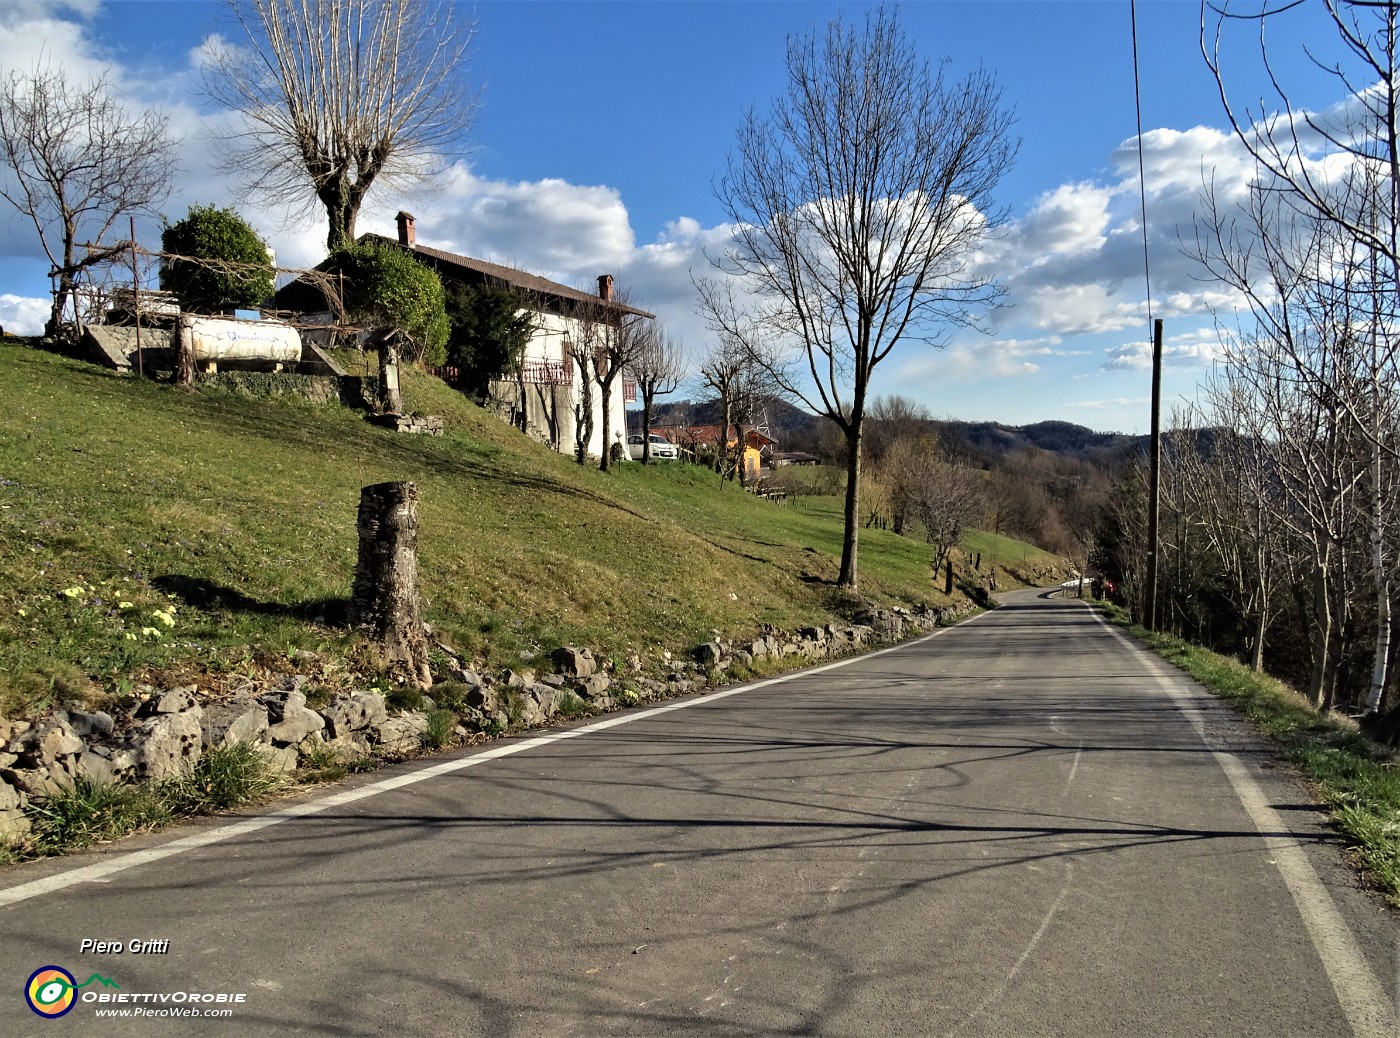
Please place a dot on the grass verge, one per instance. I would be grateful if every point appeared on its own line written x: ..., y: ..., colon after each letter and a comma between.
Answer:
x: 1356, y: 779
x: 89, y: 813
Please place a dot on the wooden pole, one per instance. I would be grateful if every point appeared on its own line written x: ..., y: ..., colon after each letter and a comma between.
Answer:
x: 136, y: 298
x: 1154, y: 489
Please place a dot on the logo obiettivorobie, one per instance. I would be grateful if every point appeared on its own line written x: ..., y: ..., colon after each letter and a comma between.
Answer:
x: 51, y: 990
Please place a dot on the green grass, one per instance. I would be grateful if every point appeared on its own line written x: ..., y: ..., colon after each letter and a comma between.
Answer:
x: 233, y: 518
x: 88, y: 813
x: 1356, y: 779
x: 224, y: 777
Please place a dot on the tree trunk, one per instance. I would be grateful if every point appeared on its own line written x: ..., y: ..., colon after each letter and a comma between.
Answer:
x: 849, y: 540
x: 605, y: 386
x: 342, y: 203
x: 646, y: 427
x: 1381, y: 657
x: 384, y: 599
x: 1322, y: 635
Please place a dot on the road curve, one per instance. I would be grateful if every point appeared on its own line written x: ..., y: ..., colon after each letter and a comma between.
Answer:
x: 1023, y: 825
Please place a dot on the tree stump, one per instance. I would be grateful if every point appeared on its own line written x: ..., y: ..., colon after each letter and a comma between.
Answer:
x: 384, y: 599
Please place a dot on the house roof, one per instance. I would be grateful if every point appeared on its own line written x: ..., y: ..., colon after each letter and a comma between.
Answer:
x: 517, y: 280
x: 709, y: 434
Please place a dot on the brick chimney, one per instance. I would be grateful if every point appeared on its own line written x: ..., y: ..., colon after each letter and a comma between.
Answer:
x: 605, y: 286
x: 406, y: 234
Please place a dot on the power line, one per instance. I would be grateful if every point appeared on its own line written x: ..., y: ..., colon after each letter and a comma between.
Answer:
x: 1142, y: 173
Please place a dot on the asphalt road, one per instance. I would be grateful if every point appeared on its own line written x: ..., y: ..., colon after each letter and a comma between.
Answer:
x: 1019, y: 826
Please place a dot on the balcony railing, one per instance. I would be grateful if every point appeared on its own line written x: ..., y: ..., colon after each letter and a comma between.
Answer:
x: 543, y: 373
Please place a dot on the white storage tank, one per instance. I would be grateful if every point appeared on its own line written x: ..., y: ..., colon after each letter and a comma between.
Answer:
x: 221, y: 340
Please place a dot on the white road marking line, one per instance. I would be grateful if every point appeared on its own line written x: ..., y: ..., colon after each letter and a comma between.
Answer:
x: 100, y: 871
x: 995, y: 995
x: 1359, y: 992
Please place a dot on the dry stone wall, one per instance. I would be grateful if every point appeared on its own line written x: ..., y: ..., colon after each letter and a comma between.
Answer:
x: 166, y: 732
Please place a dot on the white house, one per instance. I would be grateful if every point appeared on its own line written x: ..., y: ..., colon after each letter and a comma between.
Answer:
x: 544, y: 398
x: 567, y: 322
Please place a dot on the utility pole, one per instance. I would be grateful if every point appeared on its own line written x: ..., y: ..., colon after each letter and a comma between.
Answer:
x: 1154, y: 490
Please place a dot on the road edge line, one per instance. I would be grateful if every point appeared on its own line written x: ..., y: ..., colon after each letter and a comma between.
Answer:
x: 1361, y: 996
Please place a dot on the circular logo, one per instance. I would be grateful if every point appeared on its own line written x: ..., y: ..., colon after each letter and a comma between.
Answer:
x: 50, y: 991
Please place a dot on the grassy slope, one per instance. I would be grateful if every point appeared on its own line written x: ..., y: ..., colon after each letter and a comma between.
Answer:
x: 122, y: 492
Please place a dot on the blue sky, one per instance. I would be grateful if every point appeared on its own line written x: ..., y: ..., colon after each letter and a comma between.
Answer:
x: 604, y: 125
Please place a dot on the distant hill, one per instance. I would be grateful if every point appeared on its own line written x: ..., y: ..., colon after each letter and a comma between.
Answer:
x: 991, y: 441
x: 985, y: 442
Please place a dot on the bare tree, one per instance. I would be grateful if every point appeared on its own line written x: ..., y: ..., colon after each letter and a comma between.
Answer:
x: 740, y: 386
x: 857, y: 205
x: 583, y: 345
x: 658, y: 369
x: 950, y: 500
x: 338, y: 94
x: 623, y: 332
x: 79, y: 160
x: 894, y: 419
x: 1339, y: 171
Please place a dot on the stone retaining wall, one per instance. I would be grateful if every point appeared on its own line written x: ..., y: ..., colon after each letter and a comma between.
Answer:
x: 168, y: 730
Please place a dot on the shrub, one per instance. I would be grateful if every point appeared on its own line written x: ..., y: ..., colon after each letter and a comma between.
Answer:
x: 222, y: 235
x: 386, y: 287
x: 405, y: 697
x: 570, y: 705
x: 451, y: 695
x: 489, y: 334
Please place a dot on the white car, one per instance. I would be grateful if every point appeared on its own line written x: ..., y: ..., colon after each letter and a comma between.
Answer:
x: 661, y: 448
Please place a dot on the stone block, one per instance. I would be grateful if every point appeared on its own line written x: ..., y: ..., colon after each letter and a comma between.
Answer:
x: 707, y: 655
x: 166, y: 746
x: 593, y: 686
x: 37, y: 782
x: 14, y: 824
x: 470, y: 678
x: 402, y: 734
x: 105, y: 768
x: 86, y: 725
x: 242, y: 719
x: 170, y: 701
x: 574, y: 662
x: 280, y: 703
x: 40, y: 747
x: 354, y: 714
x: 352, y: 747
x: 547, y: 697
x: 296, y: 725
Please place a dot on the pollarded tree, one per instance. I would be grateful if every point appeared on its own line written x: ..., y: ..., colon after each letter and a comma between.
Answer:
x: 216, y: 262
x: 337, y: 95
x: 622, y: 334
x: 858, y: 204
x: 78, y: 161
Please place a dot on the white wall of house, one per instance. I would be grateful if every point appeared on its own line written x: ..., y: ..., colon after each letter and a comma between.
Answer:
x: 546, y: 347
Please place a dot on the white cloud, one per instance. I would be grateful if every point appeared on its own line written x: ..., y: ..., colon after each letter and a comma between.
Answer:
x: 1072, y: 218
x: 1199, y: 349
x: 23, y: 316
